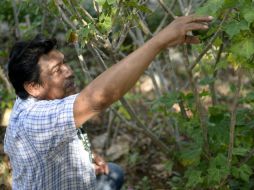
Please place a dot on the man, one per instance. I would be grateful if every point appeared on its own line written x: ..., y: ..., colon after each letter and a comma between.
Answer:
x: 41, y: 140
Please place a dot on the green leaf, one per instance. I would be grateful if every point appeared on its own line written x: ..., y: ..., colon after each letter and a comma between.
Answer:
x: 215, y: 175
x: 219, y: 161
x: 194, y: 178
x: 210, y: 7
x: 169, y: 166
x: 218, y: 110
x: 230, y: 4
x: 169, y: 100
x: 240, y: 151
x: 244, y: 48
x: 234, y: 27
x: 249, y: 98
x: 110, y: 2
x: 206, y: 81
x: 190, y: 156
x: 3, y: 54
x: 217, y: 169
x: 245, y: 172
x: 101, y: 2
x: 144, y: 9
x: 222, y: 65
x: 105, y: 23
x: 235, y: 172
x: 248, y: 14
x: 131, y: 4
x: 204, y: 93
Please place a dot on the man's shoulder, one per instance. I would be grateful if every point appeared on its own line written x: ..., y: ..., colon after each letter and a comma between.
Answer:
x: 31, y: 102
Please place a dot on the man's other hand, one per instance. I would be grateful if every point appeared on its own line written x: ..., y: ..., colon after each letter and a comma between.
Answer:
x: 100, y: 166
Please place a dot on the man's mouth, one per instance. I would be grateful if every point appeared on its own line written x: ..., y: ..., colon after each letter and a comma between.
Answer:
x: 70, y: 86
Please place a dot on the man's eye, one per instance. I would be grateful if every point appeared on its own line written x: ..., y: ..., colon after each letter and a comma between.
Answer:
x: 57, y: 70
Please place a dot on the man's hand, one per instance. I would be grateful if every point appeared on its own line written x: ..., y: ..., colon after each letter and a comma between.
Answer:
x: 100, y: 166
x: 176, y: 32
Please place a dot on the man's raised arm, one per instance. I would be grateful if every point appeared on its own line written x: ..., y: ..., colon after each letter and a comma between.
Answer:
x: 113, y: 83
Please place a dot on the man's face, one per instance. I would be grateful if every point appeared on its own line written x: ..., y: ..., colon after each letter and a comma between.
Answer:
x: 57, y: 77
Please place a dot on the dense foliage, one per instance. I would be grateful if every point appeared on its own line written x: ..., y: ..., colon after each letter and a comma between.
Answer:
x: 192, y: 127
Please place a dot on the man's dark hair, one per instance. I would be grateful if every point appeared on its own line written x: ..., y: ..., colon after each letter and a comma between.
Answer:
x: 23, y: 64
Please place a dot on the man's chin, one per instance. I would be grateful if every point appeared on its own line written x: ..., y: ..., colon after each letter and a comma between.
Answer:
x: 70, y: 91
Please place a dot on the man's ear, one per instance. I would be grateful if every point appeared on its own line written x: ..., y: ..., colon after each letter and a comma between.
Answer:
x: 33, y: 89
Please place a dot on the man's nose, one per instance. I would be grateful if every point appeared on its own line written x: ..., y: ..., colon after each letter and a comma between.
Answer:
x: 68, y: 71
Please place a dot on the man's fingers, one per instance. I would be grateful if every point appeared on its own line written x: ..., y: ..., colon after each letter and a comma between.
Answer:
x: 196, y: 26
x: 194, y: 18
x: 100, y: 163
x: 106, y: 169
x: 101, y: 168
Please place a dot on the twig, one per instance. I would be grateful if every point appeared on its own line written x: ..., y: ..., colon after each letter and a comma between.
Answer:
x: 123, y: 35
x: 96, y: 8
x: 189, y: 8
x: 86, y: 13
x: 201, y: 3
x: 233, y: 118
x: 167, y: 10
x: 43, y: 21
x: 211, y: 85
x: 175, y: 85
x: 182, y: 7
x: 151, y: 74
x: 161, y: 25
x: 149, y: 133
x: 109, y: 130
x: 124, y: 120
x: 144, y: 26
x: 16, y: 20
x: 82, y: 61
x: 65, y: 18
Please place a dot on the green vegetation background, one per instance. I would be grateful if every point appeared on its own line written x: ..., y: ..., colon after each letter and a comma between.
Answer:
x: 188, y: 123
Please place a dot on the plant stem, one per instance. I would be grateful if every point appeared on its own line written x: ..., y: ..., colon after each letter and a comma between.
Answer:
x: 233, y: 118
x: 200, y: 109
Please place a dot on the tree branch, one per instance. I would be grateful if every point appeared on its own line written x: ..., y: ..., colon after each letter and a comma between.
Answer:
x: 6, y: 81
